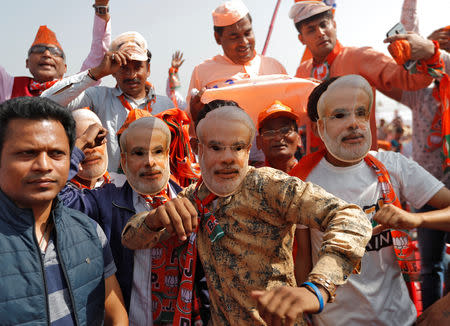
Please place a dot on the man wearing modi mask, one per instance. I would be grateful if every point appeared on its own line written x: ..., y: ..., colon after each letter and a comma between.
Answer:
x: 149, y: 279
x: 240, y: 221
x: 376, y: 181
x: 92, y: 172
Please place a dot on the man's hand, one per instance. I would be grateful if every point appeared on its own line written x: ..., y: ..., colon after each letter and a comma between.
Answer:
x: 178, y: 216
x: 437, y: 314
x: 393, y: 217
x: 283, y: 305
x: 111, y: 63
x: 177, y: 59
x: 421, y: 48
x: 442, y: 36
x: 95, y: 135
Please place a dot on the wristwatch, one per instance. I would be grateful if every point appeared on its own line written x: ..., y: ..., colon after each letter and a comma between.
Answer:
x: 101, y: 10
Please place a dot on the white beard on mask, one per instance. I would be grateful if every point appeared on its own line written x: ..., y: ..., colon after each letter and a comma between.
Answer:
x: 350, y: 153
x: 222, y: 188
x: 145, y: 187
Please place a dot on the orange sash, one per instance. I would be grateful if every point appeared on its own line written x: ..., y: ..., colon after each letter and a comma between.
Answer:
x: 148, y: 107
x: 322, y: 71
x: 404, y: 248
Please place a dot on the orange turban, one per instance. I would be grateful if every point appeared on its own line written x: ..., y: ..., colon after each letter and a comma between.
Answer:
x: 133, y: 116
x: 46, y: 36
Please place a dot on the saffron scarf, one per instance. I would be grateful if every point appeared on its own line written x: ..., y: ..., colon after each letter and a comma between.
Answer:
x: 404, y: 248
x: 321, y: 71
x: 182, y: 160
x: 152, y: 99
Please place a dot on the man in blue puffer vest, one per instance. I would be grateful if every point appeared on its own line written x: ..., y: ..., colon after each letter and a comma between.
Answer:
x: 57, y: 267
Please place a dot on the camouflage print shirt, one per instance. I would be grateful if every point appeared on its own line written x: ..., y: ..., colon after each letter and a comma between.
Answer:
x: 256, y: 250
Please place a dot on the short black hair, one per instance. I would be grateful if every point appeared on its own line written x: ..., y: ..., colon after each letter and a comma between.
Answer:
x: 314, y: 98
x: 219, y: 29
x: 35, y: 108
x: 212, y: 106
x: 325, y: 14
x: 149, y: 55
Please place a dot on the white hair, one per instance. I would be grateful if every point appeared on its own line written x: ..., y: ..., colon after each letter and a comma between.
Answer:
x: 85, y: 114
x: 227, y: 113
x: 348, y: 81
x: 151, y: 123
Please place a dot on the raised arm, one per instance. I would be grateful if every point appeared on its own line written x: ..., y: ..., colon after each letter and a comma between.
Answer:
x: 101, y: 35
x: 409, y: 17
x: 6, y: 85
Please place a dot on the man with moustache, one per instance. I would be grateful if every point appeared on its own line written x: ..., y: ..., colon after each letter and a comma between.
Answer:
x: 145, y: 162
x: 244, y: 236
x: 47, y: 61
x: 92, y: 172
x: 128, y: 61
x: 376, y: 181
x: 57, y: 266
x: 233, y: 31
x: 279, y: 139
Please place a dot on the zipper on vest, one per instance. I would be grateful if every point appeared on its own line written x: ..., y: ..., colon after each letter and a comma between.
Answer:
x: 69, y: 287
x: 47, y: 308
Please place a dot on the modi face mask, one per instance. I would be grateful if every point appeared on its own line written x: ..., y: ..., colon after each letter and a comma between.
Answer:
x: 344, y: 114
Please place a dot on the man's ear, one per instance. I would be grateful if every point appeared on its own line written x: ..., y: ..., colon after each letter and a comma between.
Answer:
x: 148, y: 69
x: 123, y: 161
x: 259, y: 142
x: 315, y: 126
x: 194, y: 145
x: 218, y: 38
x: 300, y: 38
x: 26, y: 64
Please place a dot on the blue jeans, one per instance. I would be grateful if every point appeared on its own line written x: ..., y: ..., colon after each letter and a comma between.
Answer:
x: 432, y: 245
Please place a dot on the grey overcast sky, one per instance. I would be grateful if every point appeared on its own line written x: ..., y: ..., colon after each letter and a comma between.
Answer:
x: 169, y: 25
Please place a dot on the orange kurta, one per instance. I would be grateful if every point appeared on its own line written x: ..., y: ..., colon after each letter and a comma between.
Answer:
x: 220, y: 71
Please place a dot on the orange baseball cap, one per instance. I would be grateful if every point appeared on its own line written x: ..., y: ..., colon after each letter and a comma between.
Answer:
x: 45, y: 35
x: 277, y: 109
x: 133, y: 116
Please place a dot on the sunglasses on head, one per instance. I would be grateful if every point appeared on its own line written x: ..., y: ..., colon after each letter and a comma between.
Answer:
x: 42, y: 48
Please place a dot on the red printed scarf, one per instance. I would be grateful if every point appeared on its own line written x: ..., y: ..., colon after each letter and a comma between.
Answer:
x: 322, y: 71
x: 208, y: 221
x: 404, y: 249
x: 148, y: 106
x: 170, y: 259
x: 106, y: 179
x: 40, y: 87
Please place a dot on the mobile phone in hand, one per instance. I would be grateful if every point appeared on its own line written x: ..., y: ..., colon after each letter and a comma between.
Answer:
x: 400, y: 29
